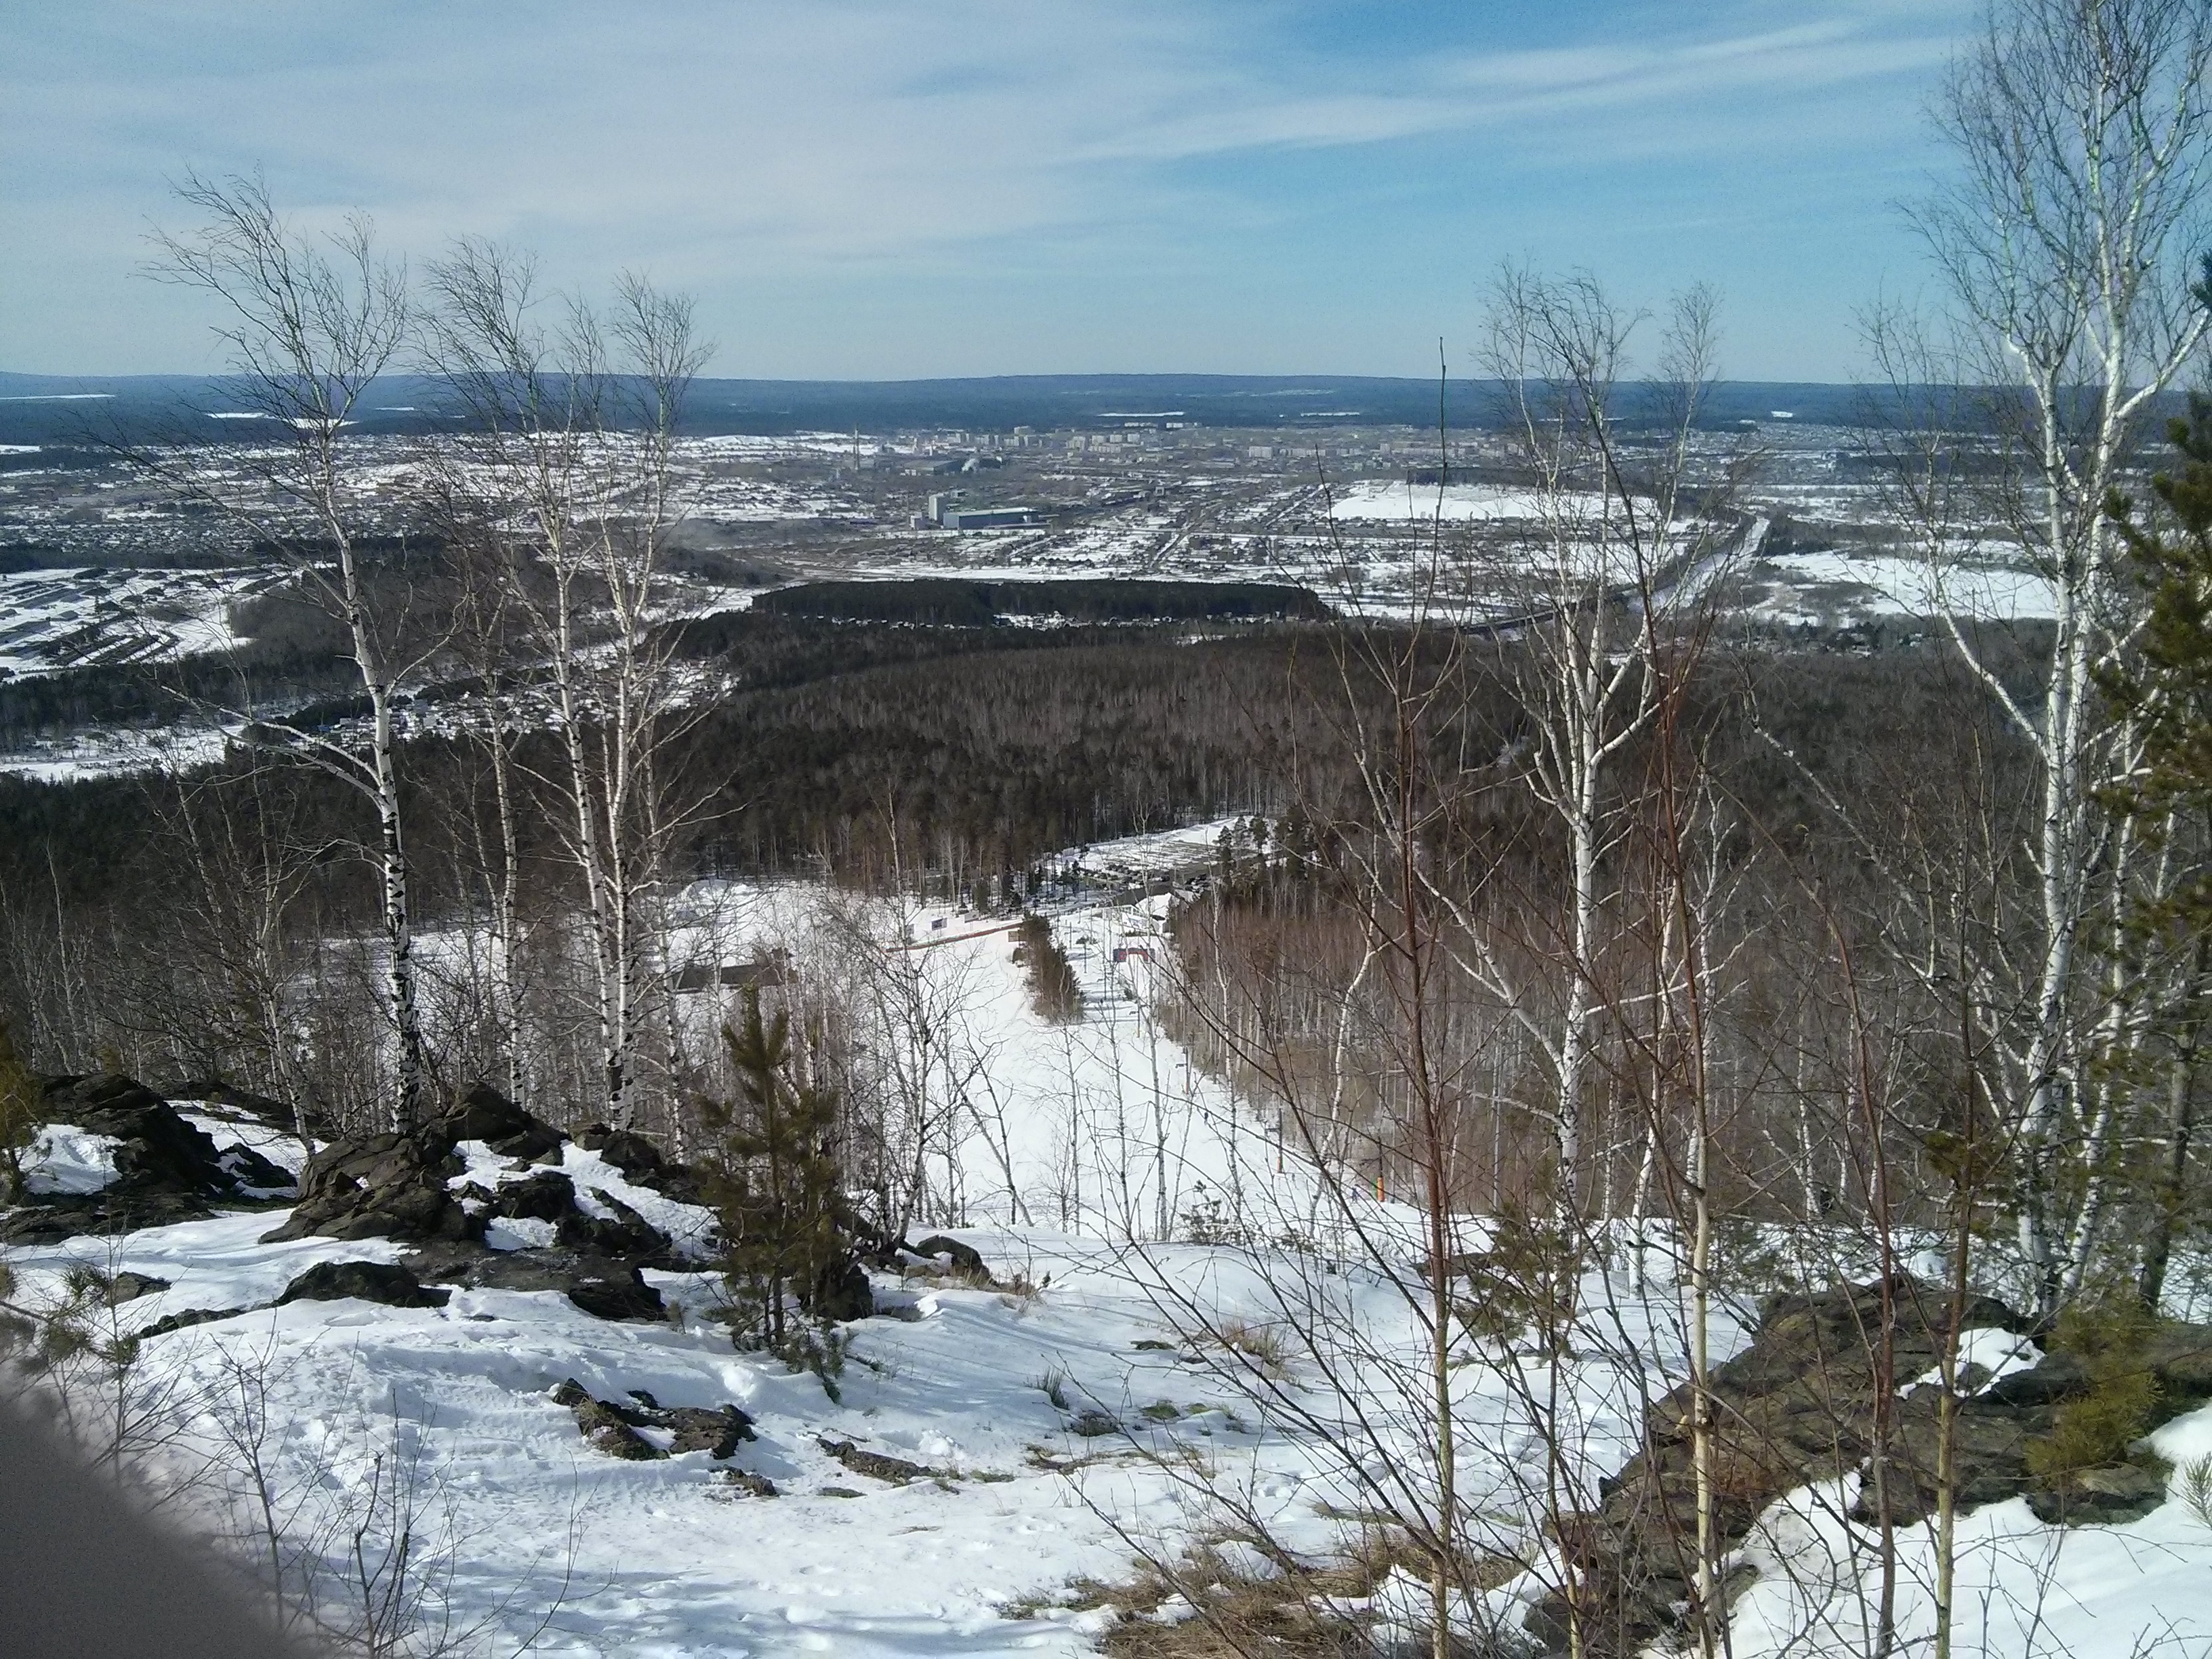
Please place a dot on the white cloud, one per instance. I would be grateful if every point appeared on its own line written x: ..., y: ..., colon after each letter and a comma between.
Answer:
x: 717, y: 141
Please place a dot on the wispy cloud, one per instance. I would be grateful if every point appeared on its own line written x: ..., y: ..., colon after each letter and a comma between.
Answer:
x: 755, y: 142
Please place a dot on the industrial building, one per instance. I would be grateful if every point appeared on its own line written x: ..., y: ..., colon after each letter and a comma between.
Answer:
x: 990, y: 518
x: 942, y: 511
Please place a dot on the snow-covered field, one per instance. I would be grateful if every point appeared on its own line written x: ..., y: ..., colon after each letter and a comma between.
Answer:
x: 1393, y: 501
x: 56, y: 619
x: 760, y: 500
x: 1812, y: 587
x: 114, y: 753
x: 1101, y: 1126
x: 2023, y: 1589
x: 660, y: 1558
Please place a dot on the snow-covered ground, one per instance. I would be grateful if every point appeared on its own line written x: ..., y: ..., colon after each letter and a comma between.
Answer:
x: 64, y: 1159
x: 660, y: 1559
x: 2023, y: 1589
x: 1394, y: 500
x: 118, y: 753
x: 1814, y: 586
x: 1086, y: 1151
x: 56, y: 619
x: 664, y: 1559
x: 1100, y: 1125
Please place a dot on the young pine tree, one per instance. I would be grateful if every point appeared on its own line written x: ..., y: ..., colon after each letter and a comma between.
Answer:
x: 1054, y: 991
x: 19, y: 1117
x: 780, y: 1193
x: 2168, y: 695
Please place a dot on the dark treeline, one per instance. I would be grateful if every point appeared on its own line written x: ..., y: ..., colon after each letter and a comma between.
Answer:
x: 1829, y: 781
x: 950, y: 602
x: 978, y: 751
x: 103, y: 698
x: 982, y: 752
x: 951, y: 760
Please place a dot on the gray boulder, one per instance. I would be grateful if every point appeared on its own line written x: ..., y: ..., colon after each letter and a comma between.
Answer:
x: 642, y: 1163
x: 383, y: 1282
x: 382, y: 1185
x: 964, y: 1258
x: 627, y: 1234
x: 619, y: 1298
x: 613, y: 1425
x: 482, y: 1113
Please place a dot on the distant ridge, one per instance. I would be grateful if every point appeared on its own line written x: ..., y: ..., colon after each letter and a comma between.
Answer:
x: 53, y: 408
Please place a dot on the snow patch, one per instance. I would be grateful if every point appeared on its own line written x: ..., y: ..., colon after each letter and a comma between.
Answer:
x: 228, y: 1129
x: 518, y: 1233
x: 1999, y: 1352
x: 65, y: 1160
x: 690, y: 1227
x: 1391, y: 498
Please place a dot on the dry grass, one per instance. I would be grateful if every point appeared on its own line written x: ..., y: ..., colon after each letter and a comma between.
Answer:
x: 1229, y: 1610
x: 1237, y: 1612
x: 1262, y: 1346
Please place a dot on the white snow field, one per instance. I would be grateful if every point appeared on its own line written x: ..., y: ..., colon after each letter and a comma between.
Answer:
x: 1086, y: 1150
x: 1805, y: 586
x: 1391, y: 500
x: 1100, y: 1126
x: 97, y: 752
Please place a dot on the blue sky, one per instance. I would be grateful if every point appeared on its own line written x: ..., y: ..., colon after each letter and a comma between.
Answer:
x: 999, y: 186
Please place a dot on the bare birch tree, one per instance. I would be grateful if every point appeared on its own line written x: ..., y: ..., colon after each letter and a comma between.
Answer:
x: 572, y: 450
x: 1630, y: 529
x: 310, y: 323
x: 2065, y: 240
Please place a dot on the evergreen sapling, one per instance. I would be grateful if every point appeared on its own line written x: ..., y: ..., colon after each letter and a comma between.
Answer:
x: 780, y: 1195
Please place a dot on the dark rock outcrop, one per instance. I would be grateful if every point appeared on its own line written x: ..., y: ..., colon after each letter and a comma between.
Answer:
x: 875, y: 1465
x: 155, y: 1146
x: 843, y: 1293
x: 166, y: 1169
x: 186, y: 1320
x: 395, y: 1186
x: 626, y: 1234
x: 384, y: 1282
x: 484, y: 1114
x: 383, y: 1186
x: 548, y: 1195
x: 747, y: 1481
x: 618, y: 1297
x: 642, y: 1163
x: 605, y: 1431
x: 1800, y: 1405
x: 613, y: 1425
x: 2110, y: 1495
x: 965, y: 1258
x: 599, y: 1285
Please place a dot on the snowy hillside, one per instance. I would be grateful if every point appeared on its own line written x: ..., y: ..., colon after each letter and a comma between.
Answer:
x: 1103, y: 1393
